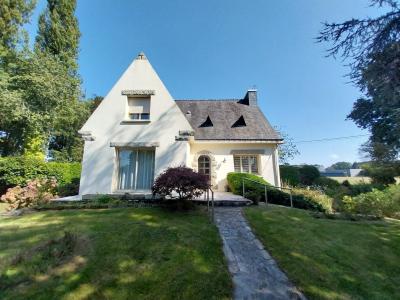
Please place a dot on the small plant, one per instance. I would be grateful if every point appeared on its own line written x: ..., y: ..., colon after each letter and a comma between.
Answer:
x: 326, y: 183
x: 180, y: 183
x: 315, y: 197
x: 385, y: 203
x: 69, y: 189
x: 102, y: 199
x: 36, y: 192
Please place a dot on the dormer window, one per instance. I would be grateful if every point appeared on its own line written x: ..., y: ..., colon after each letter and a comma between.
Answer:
x: 138, y: 108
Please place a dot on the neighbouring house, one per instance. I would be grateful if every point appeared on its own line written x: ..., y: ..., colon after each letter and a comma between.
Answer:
x: 341, y: 173
x: 139, y: 130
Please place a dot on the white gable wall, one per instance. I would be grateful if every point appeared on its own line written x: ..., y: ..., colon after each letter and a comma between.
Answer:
x: 98, y: 167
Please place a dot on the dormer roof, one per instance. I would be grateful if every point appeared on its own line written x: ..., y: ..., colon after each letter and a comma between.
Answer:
x: 224, y: 113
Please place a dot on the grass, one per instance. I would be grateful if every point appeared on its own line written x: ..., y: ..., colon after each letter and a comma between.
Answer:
x: 131, y: 253
x: 332, y: 259
x: 3, y: 207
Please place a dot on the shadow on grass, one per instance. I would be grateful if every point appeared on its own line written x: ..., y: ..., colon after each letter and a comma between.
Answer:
x: 332, y: 259
x: 120, y: 254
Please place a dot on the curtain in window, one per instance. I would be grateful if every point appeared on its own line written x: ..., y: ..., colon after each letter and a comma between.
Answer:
x: 127, y: 169
x: 145, y: 165
x: 136, y: 169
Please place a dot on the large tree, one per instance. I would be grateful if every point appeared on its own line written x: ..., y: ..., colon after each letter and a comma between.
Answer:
x: 371, y: 46
x: 58, y: 36
x: 13, y: 14
x: 34, y: 95
x: 13, y: 40
x: 40, y: 107
x: 58, y: 32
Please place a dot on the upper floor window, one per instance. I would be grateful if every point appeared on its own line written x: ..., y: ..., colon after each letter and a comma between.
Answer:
x: 246, y: 164
x: 139, y: 108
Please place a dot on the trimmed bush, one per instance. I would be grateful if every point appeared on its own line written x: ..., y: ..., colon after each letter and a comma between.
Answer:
x: 235, y: 182
x: 180, y: 183
x: 21, y: 169
x: 64, y: 172
x: 302, y: 198
x: 290, y: 175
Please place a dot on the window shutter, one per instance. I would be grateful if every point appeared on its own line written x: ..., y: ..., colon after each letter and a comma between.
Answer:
x: 139, y: 105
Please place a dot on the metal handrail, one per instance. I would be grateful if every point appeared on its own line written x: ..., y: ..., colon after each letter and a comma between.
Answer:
x: 265, y: 189
x: 207, y: 197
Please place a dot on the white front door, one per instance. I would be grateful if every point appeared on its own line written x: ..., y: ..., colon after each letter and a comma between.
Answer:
x: 136, y: 169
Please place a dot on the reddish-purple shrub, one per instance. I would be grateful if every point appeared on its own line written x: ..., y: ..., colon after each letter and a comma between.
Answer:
x: 35, y: 192
x: 180, y: 182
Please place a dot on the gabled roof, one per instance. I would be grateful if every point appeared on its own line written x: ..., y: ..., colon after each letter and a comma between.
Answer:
x: 223, y: 115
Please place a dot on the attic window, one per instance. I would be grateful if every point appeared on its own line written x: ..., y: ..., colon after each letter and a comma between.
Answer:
x: 138, y: 108
x: 207, y: 123
x: 239, y: 123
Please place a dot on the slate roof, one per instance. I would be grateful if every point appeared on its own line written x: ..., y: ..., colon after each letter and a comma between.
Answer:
x: 223, y: 114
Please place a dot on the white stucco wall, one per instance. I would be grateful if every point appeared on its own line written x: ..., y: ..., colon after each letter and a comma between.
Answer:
x: 99, y: 159
x: 221, y: 151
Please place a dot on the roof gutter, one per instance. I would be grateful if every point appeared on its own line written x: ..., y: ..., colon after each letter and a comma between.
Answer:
x: 229, y: 141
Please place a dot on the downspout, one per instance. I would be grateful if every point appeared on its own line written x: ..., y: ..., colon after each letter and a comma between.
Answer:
x: 277, y: 176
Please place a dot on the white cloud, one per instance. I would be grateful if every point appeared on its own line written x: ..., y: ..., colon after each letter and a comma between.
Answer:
x: 334, y: 156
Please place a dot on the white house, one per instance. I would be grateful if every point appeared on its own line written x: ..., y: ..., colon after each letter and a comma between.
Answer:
x: 139, y: 130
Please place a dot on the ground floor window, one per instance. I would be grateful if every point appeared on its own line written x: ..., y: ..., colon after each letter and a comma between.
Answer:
x: 204, y: 166
x: 246, y: 163
x: 135, y: 169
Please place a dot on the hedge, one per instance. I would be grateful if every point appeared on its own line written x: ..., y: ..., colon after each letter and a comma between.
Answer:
x: 302, y: 198
x: 290, y: 175
x: 20, y: 169
x: 299, y: 175
x: 235, y: 182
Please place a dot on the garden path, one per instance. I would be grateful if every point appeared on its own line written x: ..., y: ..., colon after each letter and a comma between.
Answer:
x: 255, y: 273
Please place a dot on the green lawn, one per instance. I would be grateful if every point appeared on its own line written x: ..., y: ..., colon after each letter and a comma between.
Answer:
x: 3, y: 207
x: 131, y: 253
x: 332, y: 259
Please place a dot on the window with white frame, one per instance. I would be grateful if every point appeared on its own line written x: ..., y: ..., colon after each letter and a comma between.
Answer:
x: 139, y: 108
x: 246, y: 163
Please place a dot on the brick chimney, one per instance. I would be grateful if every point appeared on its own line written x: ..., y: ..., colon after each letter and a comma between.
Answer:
x: 251, y: 97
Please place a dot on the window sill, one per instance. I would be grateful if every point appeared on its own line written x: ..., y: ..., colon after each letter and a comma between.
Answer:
x: 135, y: 121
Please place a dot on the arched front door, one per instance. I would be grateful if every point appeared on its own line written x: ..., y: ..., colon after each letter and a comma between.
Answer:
x: 204, y: 166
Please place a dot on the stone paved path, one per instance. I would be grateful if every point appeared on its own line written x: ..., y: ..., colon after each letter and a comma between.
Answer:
x: 255, y: 273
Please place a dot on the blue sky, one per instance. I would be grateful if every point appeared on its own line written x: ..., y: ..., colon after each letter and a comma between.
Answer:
x: 219, y: 49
